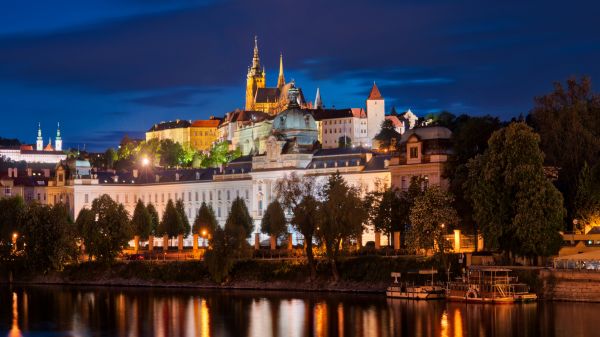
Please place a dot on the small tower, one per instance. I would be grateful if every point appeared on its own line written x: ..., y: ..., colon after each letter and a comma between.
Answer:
x: 58, y: 141
x: 39, y: 143
x: 281, y: 78
x: 318, y: 102
x: 255, y: 79
x: 375, y: 113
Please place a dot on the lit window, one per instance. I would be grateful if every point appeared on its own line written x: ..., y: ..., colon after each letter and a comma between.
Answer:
x: 414, y: 152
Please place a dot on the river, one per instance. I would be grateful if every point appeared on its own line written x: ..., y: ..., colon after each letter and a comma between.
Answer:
x: 131, y: 312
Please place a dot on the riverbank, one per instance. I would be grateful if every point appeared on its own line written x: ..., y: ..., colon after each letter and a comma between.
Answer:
x: 571, y: 285
x: 370, y: 274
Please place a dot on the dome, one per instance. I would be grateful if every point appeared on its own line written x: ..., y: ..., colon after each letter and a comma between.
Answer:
x: 298, y: 124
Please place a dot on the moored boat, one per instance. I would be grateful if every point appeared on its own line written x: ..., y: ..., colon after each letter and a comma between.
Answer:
x: 488, y: 285
x: 408, y: 290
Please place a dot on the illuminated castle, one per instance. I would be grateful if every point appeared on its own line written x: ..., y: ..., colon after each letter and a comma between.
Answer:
x: 259, y: 97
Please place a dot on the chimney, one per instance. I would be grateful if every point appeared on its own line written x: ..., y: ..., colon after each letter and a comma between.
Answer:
x: 46, y: 173
x: 197, y: 175
x: 176, y: 176
x: 386, y: 163
x: 29, y: 172
x: 157, y: 178
x: 135, y: 173
x: 10, y: 172
x: 115, y: 179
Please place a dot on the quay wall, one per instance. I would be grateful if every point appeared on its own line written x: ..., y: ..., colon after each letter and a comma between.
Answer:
x: 570, y: 285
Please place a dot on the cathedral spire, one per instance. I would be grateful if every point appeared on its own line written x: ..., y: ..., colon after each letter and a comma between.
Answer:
x: 255, y: 58
x: 58, y: 140
x: 318, y: 102
x: 281, y: 78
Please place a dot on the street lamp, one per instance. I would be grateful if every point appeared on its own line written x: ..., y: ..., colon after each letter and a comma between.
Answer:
x: 14, y: 241
x: 204, y: 237
x: 145, y: 162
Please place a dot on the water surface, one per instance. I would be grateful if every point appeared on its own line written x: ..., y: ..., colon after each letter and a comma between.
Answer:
x: 131, y: 312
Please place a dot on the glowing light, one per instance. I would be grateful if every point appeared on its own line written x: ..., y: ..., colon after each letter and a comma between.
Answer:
x: 145, y: 161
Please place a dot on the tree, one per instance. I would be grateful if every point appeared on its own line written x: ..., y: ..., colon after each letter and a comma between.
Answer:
x: 220, y: 255
x: 185, y: 222
x: 110, y: 157
x: 105, y: 228
x: 49, y: 237
x: 516, y: 206
x: 170, y: 153
x: 239, y: 222
x: 568, y: 122
x: 273, y: 221
x: 296, y: 195
x: 388, y: 137
x: 431, y: 217
x: 469, y: 138
x: 141, y: 221
x: 11, y: 212
x: 205, y: 220
x: 587, y: 198
x: 341, y: 217
x: 154, y: 216
x: 171, y: 223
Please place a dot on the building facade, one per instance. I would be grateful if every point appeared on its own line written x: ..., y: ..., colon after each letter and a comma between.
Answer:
x: 47, y: 154
x: 203, y: 133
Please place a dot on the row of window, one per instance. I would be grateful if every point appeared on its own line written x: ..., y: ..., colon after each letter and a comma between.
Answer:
x: 181, y: 196
x: 339, y: 130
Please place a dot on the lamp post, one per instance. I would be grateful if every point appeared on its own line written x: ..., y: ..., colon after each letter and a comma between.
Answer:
x: 15, y: 236
x: 204, y: 237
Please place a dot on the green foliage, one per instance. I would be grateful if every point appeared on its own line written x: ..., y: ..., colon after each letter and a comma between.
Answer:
x: 154, y: 216
x: 341, y: 217
x: 587, y: 198
x: 170, y: 153
x: 185, y: 222
x: 172, y: 223
x: 568, y: 122
x: 517, y: 207
x: 273, y: 221
x: 219, y: 257
x: 239, y: 220
x: 469, y: 138
x: 110, y: 157
x: 141, y: 221
x: 387, y: 137
x: 431, y: 216
x: 11, y: 211
x: 205, y: 220
x: 104, y: 228
x: 49, y: 237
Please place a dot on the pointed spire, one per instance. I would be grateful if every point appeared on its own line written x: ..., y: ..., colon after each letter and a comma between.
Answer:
x: 39, y: 130
x: 318, y: 102
x: 58, y: 132
x: 374, y: 94
x: 256, y: 58
x: 281, y: 78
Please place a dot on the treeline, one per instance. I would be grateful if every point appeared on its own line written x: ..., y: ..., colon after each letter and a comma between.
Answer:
x: 165, y: 153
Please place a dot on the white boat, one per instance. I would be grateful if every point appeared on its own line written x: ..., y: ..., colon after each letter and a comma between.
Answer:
x: 407, y: 290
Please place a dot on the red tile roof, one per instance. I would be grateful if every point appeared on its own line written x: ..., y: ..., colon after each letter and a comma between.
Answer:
x: 209, y: 123
x: 375, y: 94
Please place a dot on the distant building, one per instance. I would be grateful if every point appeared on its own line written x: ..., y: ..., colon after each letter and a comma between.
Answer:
x: 41, y: 154
x: 200, y: 134
x: 259, y: 97
x: 335, y: 124
x: 375, y: 113
x: 423, y: 153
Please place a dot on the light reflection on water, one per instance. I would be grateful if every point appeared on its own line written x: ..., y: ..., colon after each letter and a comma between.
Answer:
x: 35, y: 311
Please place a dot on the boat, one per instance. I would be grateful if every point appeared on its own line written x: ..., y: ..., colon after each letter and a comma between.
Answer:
x: 488, y: 285
x: 408, y: 290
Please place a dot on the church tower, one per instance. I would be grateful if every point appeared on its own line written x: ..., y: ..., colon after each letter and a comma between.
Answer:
x: 39, y: 144
x: 255, y: 79
x: 58, y: 141
x: 281, y: 78
x: 375, y: 113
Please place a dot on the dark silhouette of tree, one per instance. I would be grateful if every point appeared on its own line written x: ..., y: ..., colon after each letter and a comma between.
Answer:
x: 141, y: 221
x: 273, y: 221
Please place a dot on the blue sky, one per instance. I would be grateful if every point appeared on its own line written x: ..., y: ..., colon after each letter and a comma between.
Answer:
x: 108, y: 68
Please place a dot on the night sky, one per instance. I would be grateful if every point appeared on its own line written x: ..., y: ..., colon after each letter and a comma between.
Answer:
x: 108, y: 68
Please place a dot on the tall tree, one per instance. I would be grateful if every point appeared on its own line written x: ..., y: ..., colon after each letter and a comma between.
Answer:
x: 49, y: 236
x: 341, y: 217
x: 274, y: 222
x: 469, y: 138
x: 387, y: 137
x: 239, y: 220
x: 105, y: 228
x: 185, y: 222
x: 141, y: 221
x: 170, y: 153
x: 11, y: 212
x: 517, y: 207
x: 431, y: 216
x: 171, y: 223
x: 297, y: 195
x: 568, y: 121
x: 205, y: 220
x: 587, y: 198
x: 154, y: 216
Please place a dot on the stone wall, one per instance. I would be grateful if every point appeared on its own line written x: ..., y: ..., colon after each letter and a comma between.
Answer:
x: 570, y: 285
